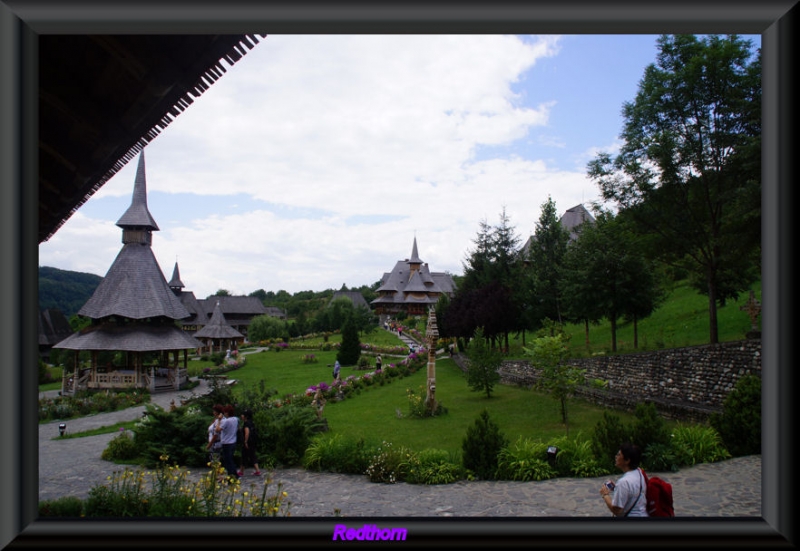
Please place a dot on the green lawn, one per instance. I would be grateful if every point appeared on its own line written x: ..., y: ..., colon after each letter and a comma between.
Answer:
x: 372, y: 414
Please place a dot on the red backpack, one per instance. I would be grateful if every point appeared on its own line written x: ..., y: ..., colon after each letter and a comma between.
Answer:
x: 659, y: 496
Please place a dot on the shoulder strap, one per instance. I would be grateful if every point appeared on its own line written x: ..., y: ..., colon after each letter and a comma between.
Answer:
x: 641, y: 489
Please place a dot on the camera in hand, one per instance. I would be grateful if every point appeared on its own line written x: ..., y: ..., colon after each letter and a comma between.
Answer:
x: 610, y: 485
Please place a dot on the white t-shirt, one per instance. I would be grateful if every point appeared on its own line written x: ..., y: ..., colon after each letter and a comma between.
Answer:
x: 229, y: 427
x: 627, y: 491
x: 212, y: 429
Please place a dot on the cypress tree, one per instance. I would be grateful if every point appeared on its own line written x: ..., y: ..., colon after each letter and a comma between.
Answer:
x: 350, y: 351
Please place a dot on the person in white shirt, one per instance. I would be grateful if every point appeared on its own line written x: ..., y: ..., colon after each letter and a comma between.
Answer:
x: 230, y: 427
x: 628, y: 498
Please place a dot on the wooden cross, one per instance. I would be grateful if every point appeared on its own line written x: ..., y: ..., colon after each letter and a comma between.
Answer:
x: 753, y: 308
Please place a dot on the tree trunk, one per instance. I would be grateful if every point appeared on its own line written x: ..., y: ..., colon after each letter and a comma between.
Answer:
x: 712, y: 311
x: 613, y: 321
x: 586, y: 331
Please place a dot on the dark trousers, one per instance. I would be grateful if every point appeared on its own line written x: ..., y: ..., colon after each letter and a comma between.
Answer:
x: 227, y: 459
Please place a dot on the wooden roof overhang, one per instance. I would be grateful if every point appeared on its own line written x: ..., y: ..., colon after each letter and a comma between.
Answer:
x: 102, y: 98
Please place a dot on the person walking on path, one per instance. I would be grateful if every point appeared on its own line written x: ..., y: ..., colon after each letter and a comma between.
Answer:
x: 230, y: 426
x: 627, y: 497
x: 336, y: 368
x: 214, y: 446
x: 249, y: 443
x: 378, y: 363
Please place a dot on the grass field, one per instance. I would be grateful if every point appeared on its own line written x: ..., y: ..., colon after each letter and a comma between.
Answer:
x: 381, y: 412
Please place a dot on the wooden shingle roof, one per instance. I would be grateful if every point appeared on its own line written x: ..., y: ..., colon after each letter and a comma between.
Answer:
x: 412, y: 282
x: 217, y: 327
x: 136, y: 337
x: 134, y: 286
x: 53, y: 327
x: 103, y: 98
x: 355, y: 297
x: 233, y: 305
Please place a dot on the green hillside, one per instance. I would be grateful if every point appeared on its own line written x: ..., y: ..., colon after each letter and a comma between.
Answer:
x: 65, y: 290
x: 681, y: 320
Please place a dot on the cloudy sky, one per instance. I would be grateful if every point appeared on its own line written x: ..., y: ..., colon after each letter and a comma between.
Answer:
x: 315, y: 161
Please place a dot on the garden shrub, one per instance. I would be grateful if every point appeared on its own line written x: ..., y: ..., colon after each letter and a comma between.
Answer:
x: 693, y: 444
x: 121, y: 448
x: 609, y: 433
x: 67, y: 506
x: 575, y: 457
x: 125, y: 496
x: 44, y: 373
x: 649, y: 427
x: 89, y: 402
x: 579, y: 459
x: 181, y: 434
x: 284, y: 433
x: 739, y: 425
x: 167, y: 493
x: 524, y: 460
x: 660, y: 458
x: 432, y: 466
x: 481, y: 447
x: 388, y: 464
x: 337, y: 454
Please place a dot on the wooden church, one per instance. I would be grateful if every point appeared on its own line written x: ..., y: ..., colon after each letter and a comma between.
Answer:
x: 134, y: 313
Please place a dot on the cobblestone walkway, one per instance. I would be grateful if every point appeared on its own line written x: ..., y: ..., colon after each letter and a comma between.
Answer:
x: 729, y: 488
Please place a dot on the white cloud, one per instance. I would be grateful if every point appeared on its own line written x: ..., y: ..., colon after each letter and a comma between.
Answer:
x: 384, y: 126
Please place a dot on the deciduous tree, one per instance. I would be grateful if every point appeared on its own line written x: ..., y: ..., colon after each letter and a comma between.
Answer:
x: 689, y: 167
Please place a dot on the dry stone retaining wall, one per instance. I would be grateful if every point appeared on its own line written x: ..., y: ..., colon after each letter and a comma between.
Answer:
x: 684, y: 383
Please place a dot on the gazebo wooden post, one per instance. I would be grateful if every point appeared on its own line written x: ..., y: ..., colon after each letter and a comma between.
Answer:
x: 75, y: 370
x: 93, y: 361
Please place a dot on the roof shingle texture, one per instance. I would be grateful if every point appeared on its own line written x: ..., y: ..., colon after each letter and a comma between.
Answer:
x: 217, y: 327
x: 135, y: 338
x: 135, y: 288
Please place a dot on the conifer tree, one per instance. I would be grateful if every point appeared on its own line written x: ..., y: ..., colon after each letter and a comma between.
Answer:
x: 350, y: 351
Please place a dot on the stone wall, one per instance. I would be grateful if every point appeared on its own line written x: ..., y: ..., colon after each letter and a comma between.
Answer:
x: 684, y: 383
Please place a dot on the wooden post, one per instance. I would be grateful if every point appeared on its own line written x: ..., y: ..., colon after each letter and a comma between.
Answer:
x: 432, y: 336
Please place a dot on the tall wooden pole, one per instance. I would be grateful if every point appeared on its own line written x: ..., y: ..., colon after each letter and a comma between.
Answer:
x: 432, y: 337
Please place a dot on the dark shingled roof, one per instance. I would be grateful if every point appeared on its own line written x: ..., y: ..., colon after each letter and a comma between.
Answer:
x: 175, y: 282
x: 134, y: 287
x: 217, y: 327
x: 137, y: 215
x: 571, y: 221
x: 232, y: 305
x: 137, y: 337
x: 411, y: 277
x: 53, y: 326
x: 355, y: 297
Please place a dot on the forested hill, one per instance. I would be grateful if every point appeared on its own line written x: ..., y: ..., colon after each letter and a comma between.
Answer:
x: 65, y: 290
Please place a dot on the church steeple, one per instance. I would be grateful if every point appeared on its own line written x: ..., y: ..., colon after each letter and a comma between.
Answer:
x: 175, y: 283
x: 415, y: 262
x: 137, y: 223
